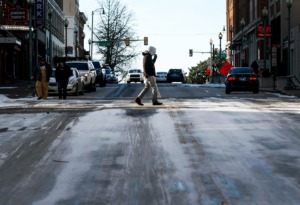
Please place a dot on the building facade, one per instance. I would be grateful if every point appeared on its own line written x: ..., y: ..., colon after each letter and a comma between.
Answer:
x: 246, y: 43
x: 75, y: 32
x: 20, y: 49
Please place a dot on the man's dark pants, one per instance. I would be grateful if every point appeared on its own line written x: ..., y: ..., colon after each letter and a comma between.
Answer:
x: 62, y: 89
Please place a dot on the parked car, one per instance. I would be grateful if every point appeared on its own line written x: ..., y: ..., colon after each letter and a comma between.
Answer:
x: 161, y: 77
x: 87, y: 70
x: 75, y: 84
x: 134, y: 75
x: 101, y: 74
x: 176, y: 75
x: 241, y: 79
x: 110, y: 77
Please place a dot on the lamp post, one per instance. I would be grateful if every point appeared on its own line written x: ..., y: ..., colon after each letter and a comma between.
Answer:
x: 83, y: 37
x: 66, y: 37
x: 90, y: 42
x: 242, y: 40
x: 76, y: 32
x: 210, y: 43
x: 30, y: 4
x: 289, y: 81
x: 50, y: 35
x: 265, y: 14
x: 211, y: 60
x: 103, y: 12
x: 220, y: 37
x: 231, y: 32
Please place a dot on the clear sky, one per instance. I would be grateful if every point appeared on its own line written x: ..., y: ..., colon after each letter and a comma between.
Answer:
x: 173, y: 27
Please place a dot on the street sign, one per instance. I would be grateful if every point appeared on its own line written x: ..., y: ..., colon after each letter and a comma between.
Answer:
x: 105, y: 43
x: 223, y: 55
x: 17, y: 15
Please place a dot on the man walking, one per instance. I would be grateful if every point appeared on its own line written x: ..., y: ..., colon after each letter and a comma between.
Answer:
x: 149, y: 74
x: 62, y: 75
x: 42, y: 74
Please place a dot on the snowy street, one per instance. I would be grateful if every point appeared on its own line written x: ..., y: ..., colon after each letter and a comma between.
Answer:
x: 187, y: 151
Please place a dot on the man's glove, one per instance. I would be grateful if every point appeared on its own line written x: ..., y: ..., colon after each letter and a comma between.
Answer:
x: 146, y: 75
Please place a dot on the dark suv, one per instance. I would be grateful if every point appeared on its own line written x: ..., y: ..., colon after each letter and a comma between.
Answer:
x: 176, y: 75
x: 101, y: 74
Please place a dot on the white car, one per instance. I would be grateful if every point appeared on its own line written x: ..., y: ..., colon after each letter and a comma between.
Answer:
x: 135, y: 75
x: 75, y: 84
x: 87, y: 70
x: 161, y: 77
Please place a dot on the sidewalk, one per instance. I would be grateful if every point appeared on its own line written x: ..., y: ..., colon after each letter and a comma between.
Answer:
x: 17, y: 89
x: 268, y: 85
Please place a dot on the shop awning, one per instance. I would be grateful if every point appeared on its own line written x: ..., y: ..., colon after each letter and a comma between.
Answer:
x: 10, y: 40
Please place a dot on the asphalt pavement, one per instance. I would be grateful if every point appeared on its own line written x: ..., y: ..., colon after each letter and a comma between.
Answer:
x: 23, y: 89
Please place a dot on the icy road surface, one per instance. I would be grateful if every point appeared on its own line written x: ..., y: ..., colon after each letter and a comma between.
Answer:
x: 208, y: 152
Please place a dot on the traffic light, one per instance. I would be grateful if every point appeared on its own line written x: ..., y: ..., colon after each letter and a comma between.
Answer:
x: 127, y: 41
x: 145, y: 41
x: 191, y: 52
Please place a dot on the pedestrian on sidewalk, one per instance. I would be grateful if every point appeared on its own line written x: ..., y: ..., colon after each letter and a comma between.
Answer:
x: 254, y: 65
x: 149, y: 74
x: 62, y: 74
x: 42, y: 74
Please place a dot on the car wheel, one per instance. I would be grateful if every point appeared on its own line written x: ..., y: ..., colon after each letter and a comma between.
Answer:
x: 256, y: 90
x: 102, y: 82
x: 227, y: 91
x: 82, y: 90
x: 76, y: 90
x: 94, y: 86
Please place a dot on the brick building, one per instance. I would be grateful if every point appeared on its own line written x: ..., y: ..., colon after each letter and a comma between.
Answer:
x: 245, y: 46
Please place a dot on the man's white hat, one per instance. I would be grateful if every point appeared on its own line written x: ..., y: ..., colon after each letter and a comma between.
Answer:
x: 152, y: 50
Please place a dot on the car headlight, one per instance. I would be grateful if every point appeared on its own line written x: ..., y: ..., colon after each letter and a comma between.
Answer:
x: 84, y: 77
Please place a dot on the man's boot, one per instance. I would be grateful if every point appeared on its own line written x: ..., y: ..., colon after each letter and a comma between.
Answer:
x: 138, y: 101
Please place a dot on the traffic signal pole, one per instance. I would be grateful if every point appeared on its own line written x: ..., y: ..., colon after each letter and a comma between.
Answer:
x: 191, y: 52
x: 126, y: 40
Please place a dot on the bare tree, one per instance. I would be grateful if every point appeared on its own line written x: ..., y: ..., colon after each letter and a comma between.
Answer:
x: 115, y: 26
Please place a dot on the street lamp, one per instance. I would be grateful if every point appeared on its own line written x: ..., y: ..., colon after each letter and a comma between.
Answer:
x: 210, y: 43
x: 220, y: 37
x: 50, y: 35
x: 289, y: 81
x: 30, y: 4
x: 265, y: 14
x: 83, y: 37
x: 231, y: 32
x: 76, y: 32
x: 211, y: 60
x: 242, y: 22
x: 66, y: 34
x: 90, y: 42
x: 103, y: 12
